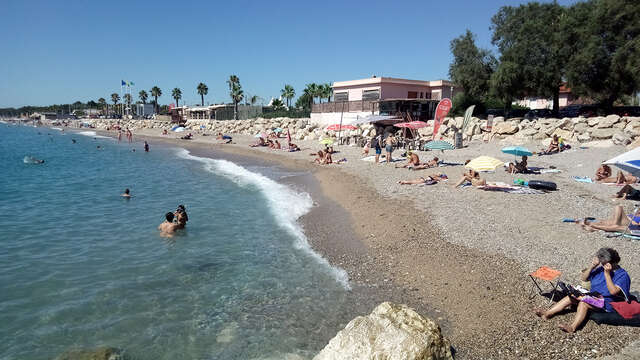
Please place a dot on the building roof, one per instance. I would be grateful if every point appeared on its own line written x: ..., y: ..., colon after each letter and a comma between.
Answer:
x: 389, y: 80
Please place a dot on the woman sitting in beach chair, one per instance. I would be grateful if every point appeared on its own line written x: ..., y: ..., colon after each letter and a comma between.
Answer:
x: 609, y: 283
x: 472, y: 177
x: 518, y: 168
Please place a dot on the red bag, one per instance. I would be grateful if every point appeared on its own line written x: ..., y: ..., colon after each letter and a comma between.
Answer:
x: 626, y: 309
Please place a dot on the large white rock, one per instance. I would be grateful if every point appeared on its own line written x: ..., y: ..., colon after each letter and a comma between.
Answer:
x: 390, y: 332
x: 505, y: 128
x: 608, y: 122
x: 594, y: 120
x: 599, y: 133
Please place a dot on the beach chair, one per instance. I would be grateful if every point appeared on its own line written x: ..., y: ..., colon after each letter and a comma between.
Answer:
x: 545, y: 274
x: 633, y: 230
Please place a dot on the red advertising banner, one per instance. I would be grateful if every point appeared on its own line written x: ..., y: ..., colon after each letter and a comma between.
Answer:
x: 441, y: 112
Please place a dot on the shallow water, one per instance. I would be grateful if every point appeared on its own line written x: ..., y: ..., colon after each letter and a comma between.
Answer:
x: 81, y: 267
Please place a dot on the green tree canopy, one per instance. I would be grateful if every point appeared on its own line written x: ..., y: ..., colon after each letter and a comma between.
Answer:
x: 156, y: 93
x: 288, y: 93
x: 471, y: 67
x: 115, y: 98
x: 277, y: 104
x: 604, y: 40
x: 531, y: 36
x: 236, y: 93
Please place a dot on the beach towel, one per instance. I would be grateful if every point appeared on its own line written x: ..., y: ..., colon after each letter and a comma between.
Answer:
x: 502, y: 187
x: 583, y: 179
x: 444, y: 163
x: 549, y: 171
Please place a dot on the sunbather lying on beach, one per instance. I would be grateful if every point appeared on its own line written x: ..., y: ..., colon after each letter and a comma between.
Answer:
x: 429, y: 164
x: 189, y: 136
x: 607, y: 279
x: 618, y: 222
x: 518, y: 168
x: 225, y: 138
x: 412, y: 160
x: 620, y: 179
x: 320, y: 157
x: 628, y: 192
x: 293, y: 147
x: 603, y: 172
x: 473, y: 177
x: 429, y: 180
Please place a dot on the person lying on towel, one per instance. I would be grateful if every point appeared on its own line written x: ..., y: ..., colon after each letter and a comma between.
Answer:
x: 608, y: 282
x: 619, y: 222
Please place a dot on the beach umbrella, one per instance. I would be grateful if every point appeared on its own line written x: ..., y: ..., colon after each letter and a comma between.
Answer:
x: 338, y: 127
x: 178, y: 129
x: 258, y: 135
x: 412, y: 125
x: 517, y: 151
x: 438, y: 145
x: 484, y: 163
x: 326, y: 142
x: 277, y: 130
x: 629, y: 161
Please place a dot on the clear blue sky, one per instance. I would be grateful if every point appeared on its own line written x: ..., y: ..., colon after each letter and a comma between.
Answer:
x: 64, y: 51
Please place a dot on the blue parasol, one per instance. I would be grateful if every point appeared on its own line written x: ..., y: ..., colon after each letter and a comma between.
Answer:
x: 517, y: 151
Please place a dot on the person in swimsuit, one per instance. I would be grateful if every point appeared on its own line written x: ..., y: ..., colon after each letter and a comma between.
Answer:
x: 146, y: 146
x: 473, y: 177
x: 320, y: 157
x: 424, y: 180
x: 412, y: 160
x: 181, y: 216
x: 168, y: 227
x: 618, y: 222
x: 518, y: 168
x: 429, y: 164
x: 126, y: 194
x: 376, y: 144
x: 389, y: 142
x: 603, y: 172
x: 628, y: 192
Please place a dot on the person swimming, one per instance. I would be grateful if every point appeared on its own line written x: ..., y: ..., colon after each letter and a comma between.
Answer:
x: 126, y: 194
x: 32, y: 160
x: 181, y: 216
x: 168, y: 227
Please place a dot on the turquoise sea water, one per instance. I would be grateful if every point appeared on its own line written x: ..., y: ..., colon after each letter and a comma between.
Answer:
x: 81, y: 267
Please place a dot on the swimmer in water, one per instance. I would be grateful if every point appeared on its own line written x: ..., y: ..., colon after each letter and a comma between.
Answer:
x: 73, y: 141
x: 168, y: 227
x: 126, y: 194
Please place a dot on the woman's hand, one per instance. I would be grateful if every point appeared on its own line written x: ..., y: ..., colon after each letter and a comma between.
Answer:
x: 607, y: 268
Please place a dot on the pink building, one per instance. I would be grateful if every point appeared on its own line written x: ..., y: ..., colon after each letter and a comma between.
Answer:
x: 382, y: 96
x: 381, y: 88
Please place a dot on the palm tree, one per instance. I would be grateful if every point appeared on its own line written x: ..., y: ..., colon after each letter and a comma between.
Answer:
x: 103, y: 104
x: 127, y: 99
x: 176, y: 94
x: 288, y: 93
x: 202, y: 90
x: 277, y: 104
x: 254, y: 99
x: 236, y: 93
x: 314, y: 91
x: 156, y: 92
x: 326, y: 91
x: 143, y: 96
x: 115, y: 98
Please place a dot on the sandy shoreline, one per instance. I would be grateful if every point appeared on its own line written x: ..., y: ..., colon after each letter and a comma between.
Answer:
x: 460, y: 256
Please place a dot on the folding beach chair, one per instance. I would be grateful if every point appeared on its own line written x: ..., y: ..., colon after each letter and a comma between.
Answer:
x: 633, y: 230
x: 545, y: 274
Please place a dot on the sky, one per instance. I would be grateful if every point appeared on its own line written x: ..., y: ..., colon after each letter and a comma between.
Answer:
x: 65, y: 51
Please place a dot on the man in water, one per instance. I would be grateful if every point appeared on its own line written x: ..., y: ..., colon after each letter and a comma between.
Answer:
x: 181, y: 217
x: 146, y: 146
x: 168, y: 227
x: 126, y: 194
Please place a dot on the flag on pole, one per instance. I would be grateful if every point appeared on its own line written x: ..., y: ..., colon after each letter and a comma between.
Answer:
x: 131, y: 83
x: 123, y: 83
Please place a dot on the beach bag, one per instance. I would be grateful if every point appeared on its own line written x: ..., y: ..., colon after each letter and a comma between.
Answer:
x: 629, y: 308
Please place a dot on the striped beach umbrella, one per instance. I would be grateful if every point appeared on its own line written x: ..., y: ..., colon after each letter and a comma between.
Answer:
x: 484, y: 163
x: 629, y: 161
x: 326, y: 141
x: 438, y: 145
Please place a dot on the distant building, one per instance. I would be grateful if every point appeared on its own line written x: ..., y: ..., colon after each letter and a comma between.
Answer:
x: 145, y: 109
x: 566, y: 98
x: 383, y: 96
x: 214, y: 112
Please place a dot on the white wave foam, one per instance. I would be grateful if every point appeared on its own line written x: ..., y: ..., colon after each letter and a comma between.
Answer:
x: 92, y: 134
x: 57, y: 128
x: 286, y: 204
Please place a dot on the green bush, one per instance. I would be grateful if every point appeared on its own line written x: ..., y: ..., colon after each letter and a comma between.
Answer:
x: 291, y: 113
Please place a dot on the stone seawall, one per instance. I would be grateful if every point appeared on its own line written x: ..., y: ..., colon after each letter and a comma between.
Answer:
x: 620, y: 130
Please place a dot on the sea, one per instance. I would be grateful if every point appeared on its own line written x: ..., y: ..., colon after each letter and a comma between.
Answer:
x: 82, y: 267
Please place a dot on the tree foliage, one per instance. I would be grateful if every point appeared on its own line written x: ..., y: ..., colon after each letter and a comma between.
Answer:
x: 288, y: 93
x: 202, y: 91
x: 604, y: 40
x: 176, y: 93
x: 471, y: 67
x: 236, y: 93
x: 143, y: 96
x: 156, y: 92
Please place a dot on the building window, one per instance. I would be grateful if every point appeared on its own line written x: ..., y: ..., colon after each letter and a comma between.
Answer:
x: 371, y: 94
x: 421, y: 95
x: 412, y: 95
x: 341, y: 96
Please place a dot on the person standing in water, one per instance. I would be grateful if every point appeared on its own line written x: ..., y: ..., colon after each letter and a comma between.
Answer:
x: 146, y: 146
x: 168, y: 227
x: 181, y: 217
x: 119, y: 135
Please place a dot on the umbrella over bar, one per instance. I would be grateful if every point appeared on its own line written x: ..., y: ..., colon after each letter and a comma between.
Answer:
x: 484, y: 163
x: 629, y: 161
x: 412, y: 125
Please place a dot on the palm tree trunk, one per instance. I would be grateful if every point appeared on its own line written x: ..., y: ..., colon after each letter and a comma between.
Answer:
x: 202, y: 97
x: 235, y: 110
x: 156, y: 104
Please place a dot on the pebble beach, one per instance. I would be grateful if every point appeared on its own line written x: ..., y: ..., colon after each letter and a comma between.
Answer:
x: 463, y: 255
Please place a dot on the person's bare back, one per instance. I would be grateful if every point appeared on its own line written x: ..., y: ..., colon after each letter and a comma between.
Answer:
x: 168, y: 227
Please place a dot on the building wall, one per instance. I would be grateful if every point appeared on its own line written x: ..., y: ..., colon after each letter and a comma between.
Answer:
x: 326, y: 119
x: 401, y: 91
x: 355, y: 92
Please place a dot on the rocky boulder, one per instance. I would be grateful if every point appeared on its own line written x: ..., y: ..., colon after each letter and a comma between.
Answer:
x: 608, y: 122
x: 505, y: 128
x: 599, y: 133
x: 390, y: 332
